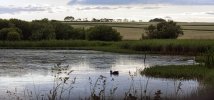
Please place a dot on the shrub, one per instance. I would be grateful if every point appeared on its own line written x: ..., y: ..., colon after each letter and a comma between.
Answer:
x: 4, y: 32
x: 164, y: 30
x: 22, y: 25
x: 62, y: 30
x: 42, y: 30
x: 13, y: 36
x: 4, y: 23
x: 103, y: 33
x: 209, y: 59
x: 78, y: 33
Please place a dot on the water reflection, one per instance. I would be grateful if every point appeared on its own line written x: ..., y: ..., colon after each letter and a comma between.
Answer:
x: 29, y: 74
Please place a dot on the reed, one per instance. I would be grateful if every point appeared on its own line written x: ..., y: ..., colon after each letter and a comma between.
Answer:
x: 170, y: 47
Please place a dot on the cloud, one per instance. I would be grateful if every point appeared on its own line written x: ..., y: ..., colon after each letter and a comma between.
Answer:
x: 199, y: 13
x: 151, y: 7
x: 125, y: 2
x: 95, y: 8
x: 210, y: 13
x: 12, y: 9
x: 103, y: 8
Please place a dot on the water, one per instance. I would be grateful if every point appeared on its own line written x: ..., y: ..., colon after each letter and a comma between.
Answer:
x: 29, y: 74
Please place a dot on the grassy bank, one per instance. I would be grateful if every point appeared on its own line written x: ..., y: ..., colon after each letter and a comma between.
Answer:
x: 181, y: 47
x: 181, y: 71
x: 134, y: 30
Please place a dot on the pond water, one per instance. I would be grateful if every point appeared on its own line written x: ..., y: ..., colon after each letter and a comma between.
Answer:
x: 80, y: 74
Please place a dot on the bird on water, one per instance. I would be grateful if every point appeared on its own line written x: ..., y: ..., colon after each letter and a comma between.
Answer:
x: 114, y: 72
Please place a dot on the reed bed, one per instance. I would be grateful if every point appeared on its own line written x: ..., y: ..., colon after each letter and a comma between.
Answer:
x: 170, y: 47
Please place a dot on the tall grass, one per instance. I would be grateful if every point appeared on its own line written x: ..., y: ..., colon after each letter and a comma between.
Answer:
x: 183, y: 47
x: 173, y: 71
x: 52, y: 44
x: 169, y: 46
x: 209, y: 60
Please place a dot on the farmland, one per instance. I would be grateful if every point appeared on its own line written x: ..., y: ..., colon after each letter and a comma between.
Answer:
x: 134, y: 30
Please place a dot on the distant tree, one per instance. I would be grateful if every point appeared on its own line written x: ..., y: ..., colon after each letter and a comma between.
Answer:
x: 4, y: 24
x: 95, y: 20
x: 4, y: 32
x: 13, y: 36
x: 164, y: 30
x: 48, y: 32
x: 62, y: 30
x: 78, y: 33
x: 37, y: 35
x: 157, y: 20
x: 42, y: 30
x: 103, y: 33
x: 69, y: 18
x: 24, y: 26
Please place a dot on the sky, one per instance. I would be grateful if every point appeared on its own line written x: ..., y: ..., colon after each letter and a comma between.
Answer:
x: 178, y: 10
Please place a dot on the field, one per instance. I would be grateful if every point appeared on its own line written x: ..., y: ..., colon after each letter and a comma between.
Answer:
x: 134, y: 31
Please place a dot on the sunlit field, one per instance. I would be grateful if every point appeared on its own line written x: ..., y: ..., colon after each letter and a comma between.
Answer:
x: 134, y: 31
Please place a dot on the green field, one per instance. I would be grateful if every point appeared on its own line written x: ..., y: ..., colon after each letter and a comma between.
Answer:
x: 134, y: 31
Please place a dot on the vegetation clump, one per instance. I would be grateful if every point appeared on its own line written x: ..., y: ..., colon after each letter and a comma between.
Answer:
x: 13, y: 36
x: 157, y: 20
x: 175, y: 71
x: 103, y: 33
x: 164, y: 30
x: 10, y: 34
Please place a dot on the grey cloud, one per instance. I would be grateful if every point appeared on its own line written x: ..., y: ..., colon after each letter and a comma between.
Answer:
x: 210, y: 13
x: 103, y: 8
x: 151, y: 7
x: 12, y: 9
x: 126, y: 2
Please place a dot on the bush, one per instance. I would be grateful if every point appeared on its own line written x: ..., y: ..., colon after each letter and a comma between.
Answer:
x: 164, y: 30
x: 103, y: 33
x: 24, y: 26
x: 4, y: 32
x: 13, y: 36
x: 42, y: 30
x: 78, y: 33
x: 4, y: 24
x: 62, y: 30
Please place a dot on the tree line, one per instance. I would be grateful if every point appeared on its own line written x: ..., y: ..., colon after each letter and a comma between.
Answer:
x: 15, y: 29
x: 44, y: 29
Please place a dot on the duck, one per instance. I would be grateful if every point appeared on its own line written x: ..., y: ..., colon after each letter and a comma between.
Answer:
x: 114, y: 72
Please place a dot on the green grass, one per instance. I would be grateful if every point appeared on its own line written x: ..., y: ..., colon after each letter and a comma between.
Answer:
x: 173, y: 71
x: 170, y: 47
x: 183, y: 47
x: 202, y: 73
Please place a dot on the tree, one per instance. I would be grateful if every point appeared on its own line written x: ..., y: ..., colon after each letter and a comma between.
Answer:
x: 42, y: 30
x: 4, y: 32
x: 103, y: 33
x: 69, y: 18
x: 164, y: 30
x: 157, y: 20
x: 24, y: 26
x: 78, y: 33
x: 62, y: 30
x: 4, y: 24
x: 13, y: 36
